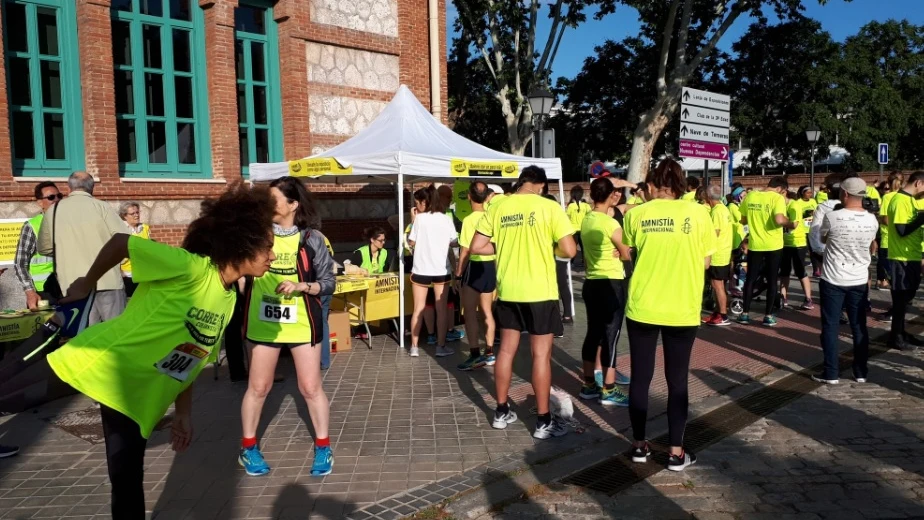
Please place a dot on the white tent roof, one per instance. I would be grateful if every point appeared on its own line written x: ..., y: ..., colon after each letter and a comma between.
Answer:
x: 405, y: 138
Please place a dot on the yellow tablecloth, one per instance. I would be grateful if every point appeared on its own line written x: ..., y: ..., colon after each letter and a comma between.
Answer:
x: 20, y: 328
x: 375, y: 297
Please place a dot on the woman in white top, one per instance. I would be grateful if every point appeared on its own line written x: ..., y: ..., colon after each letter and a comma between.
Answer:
x: 431, y: 237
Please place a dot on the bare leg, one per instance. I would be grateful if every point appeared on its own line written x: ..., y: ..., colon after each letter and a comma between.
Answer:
x: 441, y: 294
x: 307, y: 360
x: 541, y: 348
x: 721, y: 299
x: 420, y: 298
x: 487, y: 300
x: 503, y: 370
x: 263, y: 361
x: 470, y: 309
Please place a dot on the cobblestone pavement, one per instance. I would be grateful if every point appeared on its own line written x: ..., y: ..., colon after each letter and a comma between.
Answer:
x: 850, y: 451
x: 407, y: 432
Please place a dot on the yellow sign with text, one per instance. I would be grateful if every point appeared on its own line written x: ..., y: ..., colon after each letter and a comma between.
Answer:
x: 317, y: 167
x: 10, y: 228
x: 463, y: 168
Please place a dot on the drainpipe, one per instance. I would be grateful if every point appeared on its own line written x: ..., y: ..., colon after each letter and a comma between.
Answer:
x: 435, y: 104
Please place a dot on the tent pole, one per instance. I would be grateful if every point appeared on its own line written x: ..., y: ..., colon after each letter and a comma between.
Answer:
x: 400, y: 261
x: 561, y: 201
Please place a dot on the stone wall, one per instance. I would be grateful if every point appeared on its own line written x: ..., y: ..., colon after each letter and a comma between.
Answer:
x: 371, y: 16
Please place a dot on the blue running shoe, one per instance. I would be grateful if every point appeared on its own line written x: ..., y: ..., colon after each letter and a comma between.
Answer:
x: 454, y: 335
x: 472, y: 363
x: 431, y: 339
x: 613, y: 398
x: 744, y: 319
x: 769, y: 321
x: 622, y: 379
x: 598, y: 378
x: 252, y: 461
x: 489, y: 360
x: 589, y: 391
x: 323, y: 461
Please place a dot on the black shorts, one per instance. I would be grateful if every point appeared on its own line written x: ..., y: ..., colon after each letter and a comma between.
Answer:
x: 536, y: 318
x: 430, y: 281
x: 720, y: 272
x: 481, y: 276
x: 793, y: 261
x: 906, y: 276
x: 279, y: 345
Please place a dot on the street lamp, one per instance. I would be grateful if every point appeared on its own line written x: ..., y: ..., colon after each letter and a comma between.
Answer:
x: 812, y: 135
x: 540, y: 101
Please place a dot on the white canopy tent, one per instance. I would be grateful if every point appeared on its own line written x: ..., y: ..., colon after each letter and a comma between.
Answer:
x: 406, y: 144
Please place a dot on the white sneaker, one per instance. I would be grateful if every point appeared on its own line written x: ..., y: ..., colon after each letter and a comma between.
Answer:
x: 861, y: 380
x: 444, y: 351
x: 553, y: 429
x: 415, y: 352
x: 501, y: 421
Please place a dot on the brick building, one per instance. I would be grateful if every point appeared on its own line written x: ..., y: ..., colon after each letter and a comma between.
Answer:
x: 167, y: 101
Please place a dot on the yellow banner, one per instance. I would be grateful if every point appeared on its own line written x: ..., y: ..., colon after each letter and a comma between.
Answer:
x: 317, y: 167
x: 19, y: 328
x: 381, y: 300
x: 346, y: 284
x: 463, y: 168
x: 9, y: 237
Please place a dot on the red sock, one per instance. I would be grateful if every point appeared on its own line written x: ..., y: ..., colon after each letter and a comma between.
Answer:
x: 248, y: 442
x: 322, y: 443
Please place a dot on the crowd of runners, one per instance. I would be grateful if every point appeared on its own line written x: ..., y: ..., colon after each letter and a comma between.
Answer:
x: 667, y: 239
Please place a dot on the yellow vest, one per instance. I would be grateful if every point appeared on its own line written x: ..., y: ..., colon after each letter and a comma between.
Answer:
x: 145, y: 233
x: 373, y: 265
x: 40, y: 266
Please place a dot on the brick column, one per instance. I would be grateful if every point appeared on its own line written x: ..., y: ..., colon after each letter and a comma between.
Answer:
x: 222, y: 86
x: 293, y: 19
x: 414, y: 35
x: 97, y: 83
x: 6, y: 147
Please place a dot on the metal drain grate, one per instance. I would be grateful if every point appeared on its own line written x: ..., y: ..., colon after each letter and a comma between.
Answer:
x: 88, y: 425
x: 618, y: 473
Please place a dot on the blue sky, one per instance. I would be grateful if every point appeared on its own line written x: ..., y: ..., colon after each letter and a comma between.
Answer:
x: 838, y: 17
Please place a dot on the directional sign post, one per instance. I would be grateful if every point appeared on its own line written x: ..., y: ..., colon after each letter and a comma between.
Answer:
x: 883, y: 157
x: 704, y: 124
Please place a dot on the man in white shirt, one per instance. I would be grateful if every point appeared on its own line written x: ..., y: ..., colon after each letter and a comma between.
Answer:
x: 848, y: 235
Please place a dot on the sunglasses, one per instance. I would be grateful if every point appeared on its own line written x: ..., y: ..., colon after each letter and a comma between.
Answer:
x: 56, y: 196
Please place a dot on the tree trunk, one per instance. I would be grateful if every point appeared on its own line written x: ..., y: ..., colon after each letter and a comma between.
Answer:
x: 516, y: 137
x: 649, y: 129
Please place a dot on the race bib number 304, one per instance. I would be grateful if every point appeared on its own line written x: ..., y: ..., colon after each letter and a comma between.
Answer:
x: 181, y: 361
x: 280, y: 311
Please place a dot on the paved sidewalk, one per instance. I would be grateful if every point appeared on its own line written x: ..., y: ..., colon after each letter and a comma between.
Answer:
x: 407, y: 433
x: 851, y: 451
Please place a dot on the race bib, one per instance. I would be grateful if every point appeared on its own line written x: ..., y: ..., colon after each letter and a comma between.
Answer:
x: 279, y: 311
x: 808, y: 222
x: 181, y: 361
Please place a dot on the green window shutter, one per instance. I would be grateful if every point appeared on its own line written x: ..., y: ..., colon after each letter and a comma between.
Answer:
x: 43, y: 87
x: 160, y: 88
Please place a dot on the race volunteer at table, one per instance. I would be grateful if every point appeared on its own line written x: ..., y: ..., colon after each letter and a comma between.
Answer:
x: 372, y: 257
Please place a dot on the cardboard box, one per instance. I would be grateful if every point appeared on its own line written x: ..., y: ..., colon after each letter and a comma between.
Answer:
x: 340, y: 337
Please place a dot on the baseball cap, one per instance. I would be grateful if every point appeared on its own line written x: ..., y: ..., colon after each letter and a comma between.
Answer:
x: 854, y: 186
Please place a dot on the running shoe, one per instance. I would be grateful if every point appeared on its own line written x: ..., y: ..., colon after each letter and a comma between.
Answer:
x: 454, y: 335
x: 886, y: 317
x: 843, y: 319
x: 415, y: 352
x: 807, y: 305
x: 490, y: 359
x: 716, y: 320
x: 744, y: 319
x: 613, y: 398
x: 567, y: 320
x: 769, y: 321
x: 473, y: 362
x: 589, y: 391
x: 431, y: 339
x: 444, y: 351
x: 598, y: 378
x: 861, y: 380
x: 680, y: 463
x: 640, y: 455
x: 820, y: 378
x: 253, y: 462
x: 323, y: 461
x: 622, y: 379
x: 8, y: 451
x: 501, y: 420
x: 552, y: 429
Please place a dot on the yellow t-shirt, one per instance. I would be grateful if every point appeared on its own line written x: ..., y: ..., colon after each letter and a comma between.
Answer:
x: 635, y: 200
x: 820, y: 197
x: 140, y: 361
x: 873, y: 193
x: 523, y: 230
x: 689, y: 196
x: 737, y: 227
x: 272, y: 317
x: 884, y: 212
x: 468, y: 231
x: 672, y: 239
x: 722, y: 222
x: 145, y: 233
x: 796, y: 212
x: 902, y: 210
x: 576, y: 213
x: 597, y: 236
x: 760, y: 208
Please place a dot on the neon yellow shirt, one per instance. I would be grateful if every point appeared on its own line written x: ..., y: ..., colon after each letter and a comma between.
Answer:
x: 820, y: 197
x: 139, y: 362
x: 576, y: 213
x: 523, y: 230
x: 468, y: 231
x: 883, y: 212
x: 760, y: 208
x: 722, y: 222
x: 902, y: 210
x: 145, y: 233
x: 673, y: 240
x: 689, y: 196
x: 797, y: 237
x: 737, y: 226
x: 635, y: 200
x: 873, y: 193
x: 272, y: 317
x: 597, y: 236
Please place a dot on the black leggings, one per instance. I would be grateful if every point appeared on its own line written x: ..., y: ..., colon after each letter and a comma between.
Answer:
x: 767, y: 263
x: 677, y: 346
x: 125, y: 457
x: 564, y: 289
x: 606, y: 306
